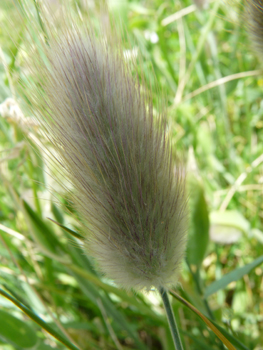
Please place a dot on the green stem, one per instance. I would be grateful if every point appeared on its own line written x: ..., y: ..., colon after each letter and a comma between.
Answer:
x: 171, y: 319
x: 196, y: 278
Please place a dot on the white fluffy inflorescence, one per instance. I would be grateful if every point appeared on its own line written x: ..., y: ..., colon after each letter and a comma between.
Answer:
x: 117, y: 156
x: 254, y: 23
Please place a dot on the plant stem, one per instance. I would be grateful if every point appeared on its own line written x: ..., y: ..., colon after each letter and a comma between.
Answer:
x: 171, y: 319
x: 196, y: 277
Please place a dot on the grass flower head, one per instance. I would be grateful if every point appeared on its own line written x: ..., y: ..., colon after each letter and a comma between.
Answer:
x: 115, y: 153
x: 254, y: 22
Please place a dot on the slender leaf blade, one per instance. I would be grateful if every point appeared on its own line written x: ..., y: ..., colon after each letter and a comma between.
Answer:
x: 232, y: 276
x: 198, y: 236
x: 16, y: 331
x: 212, y: 326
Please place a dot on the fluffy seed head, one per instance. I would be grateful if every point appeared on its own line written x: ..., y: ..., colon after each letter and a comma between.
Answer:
x: 117, y: 156
x: 254, y: 22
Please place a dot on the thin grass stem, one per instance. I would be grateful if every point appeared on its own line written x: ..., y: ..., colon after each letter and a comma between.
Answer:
x: 171, y: 320
x: 196, y: 278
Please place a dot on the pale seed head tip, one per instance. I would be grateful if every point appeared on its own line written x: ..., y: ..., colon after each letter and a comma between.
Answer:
x: 254, y: 23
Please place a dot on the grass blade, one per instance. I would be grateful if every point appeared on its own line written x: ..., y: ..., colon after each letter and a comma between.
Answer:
x: 217, y: 332
x: 232, y: 276
x: 39, y: 321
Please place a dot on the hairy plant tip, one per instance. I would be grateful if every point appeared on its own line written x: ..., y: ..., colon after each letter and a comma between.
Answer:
x: 117, y: 157
x: 254, y: 22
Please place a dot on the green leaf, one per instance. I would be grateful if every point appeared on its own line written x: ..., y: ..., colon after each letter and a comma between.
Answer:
x: 195, y: 340
x: 232, y: 276
x: 41, y: 231
x: 16, y: 332
x: 79, y: 273
x: 43, y: 234
x: 211, y: 325
x: 119, y: 319
x: 198, y: 236
x: 57, y: 213
x: 233, y: 340
x: 35, y: 302
x: 71, y: 232
x: 58, y: 335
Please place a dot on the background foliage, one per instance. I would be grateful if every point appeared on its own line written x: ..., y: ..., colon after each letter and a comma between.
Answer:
x: 218, y: 128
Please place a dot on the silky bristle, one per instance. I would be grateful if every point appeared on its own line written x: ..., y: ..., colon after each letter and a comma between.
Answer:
x: 115, y: 153
x: 254, y: 23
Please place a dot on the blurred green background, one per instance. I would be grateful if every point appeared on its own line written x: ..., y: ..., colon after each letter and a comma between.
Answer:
x: 206, y: 68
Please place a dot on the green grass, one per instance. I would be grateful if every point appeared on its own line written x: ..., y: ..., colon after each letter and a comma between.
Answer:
x: 219, y: 131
